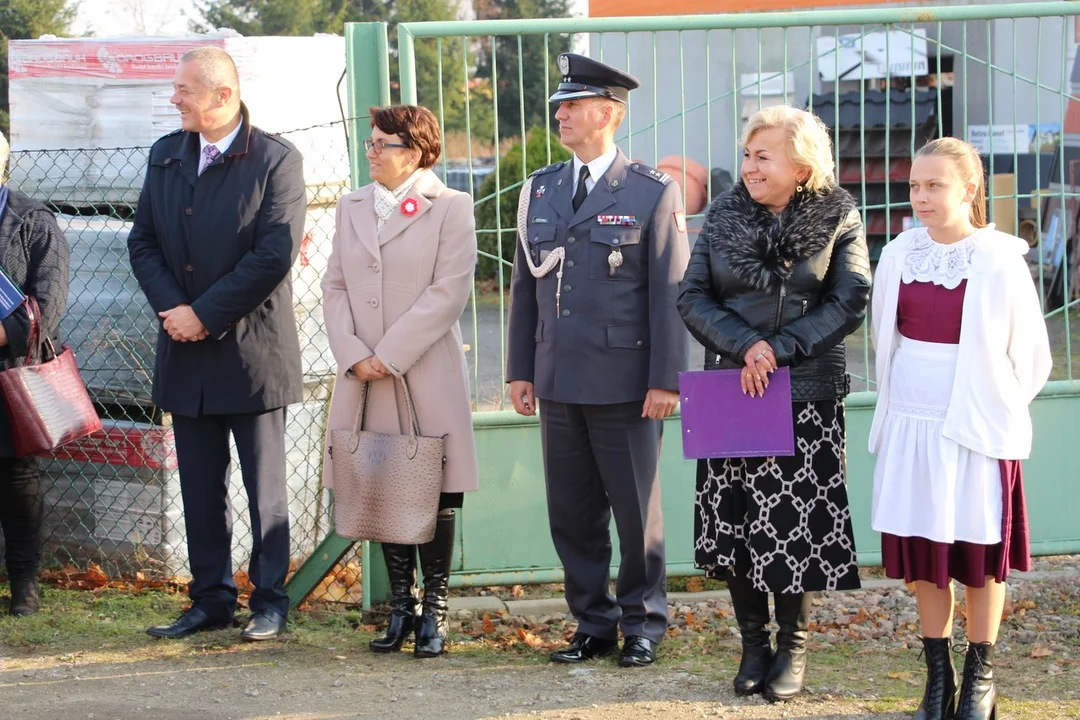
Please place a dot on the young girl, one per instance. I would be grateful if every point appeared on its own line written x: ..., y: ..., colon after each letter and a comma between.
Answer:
x: 962, y: 350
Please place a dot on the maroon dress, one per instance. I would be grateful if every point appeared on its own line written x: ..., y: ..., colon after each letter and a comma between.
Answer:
x: 932, y: 313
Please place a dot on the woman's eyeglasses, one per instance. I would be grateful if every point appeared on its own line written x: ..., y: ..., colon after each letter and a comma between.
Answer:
x: 380, y: 145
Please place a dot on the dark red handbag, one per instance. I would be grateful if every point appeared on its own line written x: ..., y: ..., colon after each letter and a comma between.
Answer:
x: 46, y: 399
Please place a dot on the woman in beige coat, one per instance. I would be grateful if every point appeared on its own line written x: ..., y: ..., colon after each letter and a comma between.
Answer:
x: 398, y: 279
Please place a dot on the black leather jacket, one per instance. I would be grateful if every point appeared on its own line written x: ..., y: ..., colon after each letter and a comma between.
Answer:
x: 799, y: 280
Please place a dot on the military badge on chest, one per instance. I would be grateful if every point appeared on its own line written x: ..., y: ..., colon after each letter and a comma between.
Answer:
x: 615, y: 257
x: 614, y: 260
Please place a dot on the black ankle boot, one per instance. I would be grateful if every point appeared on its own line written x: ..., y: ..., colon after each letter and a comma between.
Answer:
x: 978, y: 696
x: 939, y: 698
x: 401, y: 567
x: 785, y: 678
x: 25, y: 595
x: 21, y: 514
x: 752, y: 614
x: 435, y: 562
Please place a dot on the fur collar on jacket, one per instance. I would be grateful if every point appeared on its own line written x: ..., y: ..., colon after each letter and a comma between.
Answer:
x: 760, y: 248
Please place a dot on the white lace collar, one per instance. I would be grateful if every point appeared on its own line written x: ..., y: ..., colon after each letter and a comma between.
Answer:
x: 934, y: 262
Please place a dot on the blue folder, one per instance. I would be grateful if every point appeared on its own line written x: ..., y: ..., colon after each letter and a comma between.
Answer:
x: 11, y: 296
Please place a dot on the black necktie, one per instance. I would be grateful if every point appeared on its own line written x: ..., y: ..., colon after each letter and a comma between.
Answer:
x: 582, y: 191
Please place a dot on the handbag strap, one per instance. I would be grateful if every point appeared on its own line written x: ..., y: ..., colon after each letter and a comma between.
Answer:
x: 33, y: 343
x: 361, y: 411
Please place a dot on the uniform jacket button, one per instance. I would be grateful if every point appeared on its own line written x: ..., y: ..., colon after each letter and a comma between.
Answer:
x: 640, y: 343
x: 615, y: 241
x: 571, y: 240
x: 565, y: 313
x: 374, y: 302
x: 188, y: 210
x: 375, y: 267
x: 569, y: 263
x: 567, y: 288
x: 189, y: 267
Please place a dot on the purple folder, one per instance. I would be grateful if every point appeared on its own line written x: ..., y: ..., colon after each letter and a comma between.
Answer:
x: 718, y: 421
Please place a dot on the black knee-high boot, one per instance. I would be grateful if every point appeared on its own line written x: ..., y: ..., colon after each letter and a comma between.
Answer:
x: 752, y: 614
x: 978, y: 696
x: 939, y: 697
x: 785, y: 679
x: 401, y: 567
x: 435, y: 562
x: 21, y: 515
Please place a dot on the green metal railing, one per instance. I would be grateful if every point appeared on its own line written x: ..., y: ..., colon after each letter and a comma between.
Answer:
x: 994, y: 84
x: 700, y: 76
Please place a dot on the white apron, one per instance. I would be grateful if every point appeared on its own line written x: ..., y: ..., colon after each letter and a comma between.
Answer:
x: 919, y: 473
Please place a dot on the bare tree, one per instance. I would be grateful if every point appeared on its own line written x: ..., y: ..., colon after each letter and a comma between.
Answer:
x: 149, y: 17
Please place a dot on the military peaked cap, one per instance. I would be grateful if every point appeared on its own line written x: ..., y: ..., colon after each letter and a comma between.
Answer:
x: 584, y: 77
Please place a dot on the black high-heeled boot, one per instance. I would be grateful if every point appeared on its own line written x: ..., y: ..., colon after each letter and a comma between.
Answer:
x: 785, y: 678
x: 978, y: 696
x: 939, y: 697
x: 435, y: 562
x: 401, y: 567
x: 752, y: 614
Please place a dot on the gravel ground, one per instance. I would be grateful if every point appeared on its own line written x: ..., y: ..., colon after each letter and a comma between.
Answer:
x: 862, y: 665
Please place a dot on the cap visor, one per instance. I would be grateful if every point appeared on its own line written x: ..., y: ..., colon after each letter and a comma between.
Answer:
x: 563, y: 95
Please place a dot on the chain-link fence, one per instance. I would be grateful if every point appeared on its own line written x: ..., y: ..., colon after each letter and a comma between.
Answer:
x: 114, y: 498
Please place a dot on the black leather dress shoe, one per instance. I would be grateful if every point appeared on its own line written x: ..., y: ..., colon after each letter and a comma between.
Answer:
x: 584, y: 647
x: 194, y: 620
x: 637, y: 652
x: 264, y: 625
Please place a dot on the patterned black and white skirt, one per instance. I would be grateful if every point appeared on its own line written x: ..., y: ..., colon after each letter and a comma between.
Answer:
x: 784, y: 522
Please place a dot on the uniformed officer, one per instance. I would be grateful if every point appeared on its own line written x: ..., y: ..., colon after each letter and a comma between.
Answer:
x: 595, y: 336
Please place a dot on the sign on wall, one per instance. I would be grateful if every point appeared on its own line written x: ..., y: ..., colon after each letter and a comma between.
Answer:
x: 1007, y: 139
x: 871, y: 56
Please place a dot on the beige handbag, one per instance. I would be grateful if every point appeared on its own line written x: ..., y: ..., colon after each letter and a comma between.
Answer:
x: 386, y: 487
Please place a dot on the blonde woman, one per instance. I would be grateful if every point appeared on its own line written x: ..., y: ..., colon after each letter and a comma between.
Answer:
x: 779, y: 276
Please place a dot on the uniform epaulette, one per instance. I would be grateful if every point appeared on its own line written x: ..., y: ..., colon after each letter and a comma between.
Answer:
x: 550, y: 168
x: 650, y: 172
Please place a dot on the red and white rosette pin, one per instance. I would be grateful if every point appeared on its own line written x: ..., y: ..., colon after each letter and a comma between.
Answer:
x: 409, y: 207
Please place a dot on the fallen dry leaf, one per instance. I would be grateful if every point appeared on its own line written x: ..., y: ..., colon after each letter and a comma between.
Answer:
x: 529, y: 639
x: 488, y: 626
x: 1041, y: 651
x: 517, y: 591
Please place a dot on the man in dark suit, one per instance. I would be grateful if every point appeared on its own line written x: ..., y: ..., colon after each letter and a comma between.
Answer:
x: 595, y: 335
x: 218, y: 225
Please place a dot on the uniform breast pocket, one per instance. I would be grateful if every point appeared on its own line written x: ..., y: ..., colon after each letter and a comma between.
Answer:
x: 541, y: 242
x: 616, y: 253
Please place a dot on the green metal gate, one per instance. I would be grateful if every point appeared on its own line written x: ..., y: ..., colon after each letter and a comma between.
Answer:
x: 969, y: 72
